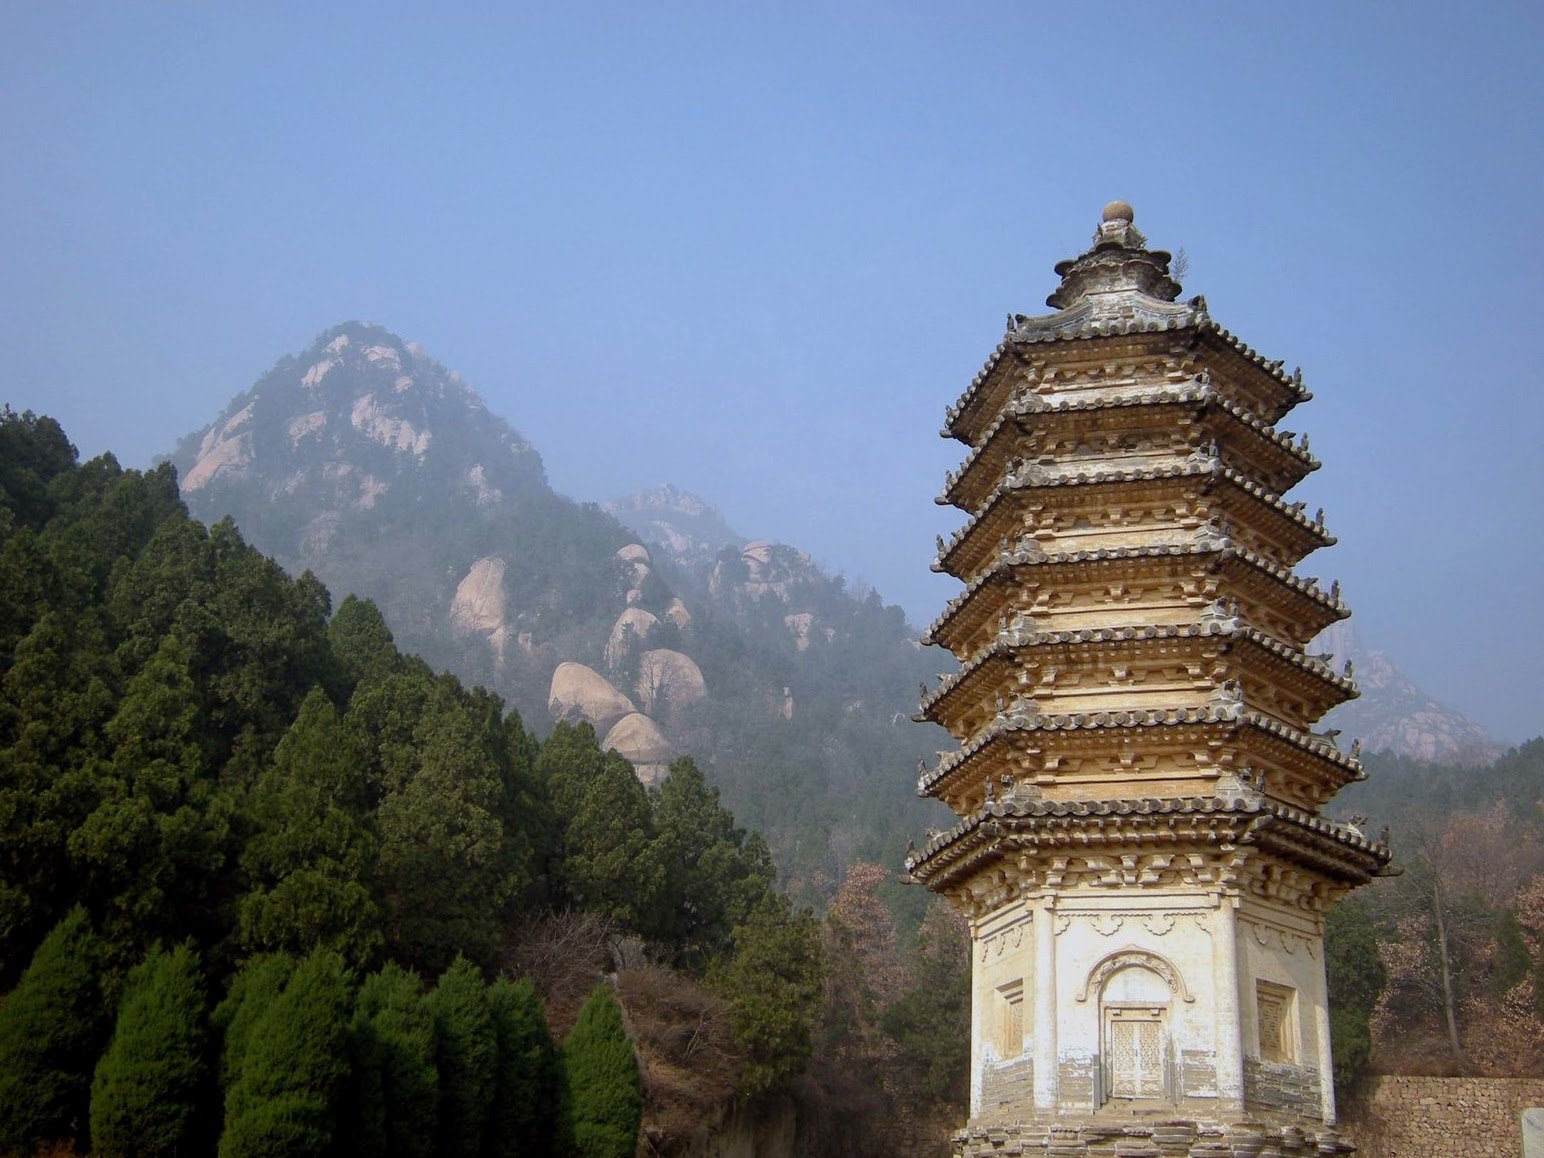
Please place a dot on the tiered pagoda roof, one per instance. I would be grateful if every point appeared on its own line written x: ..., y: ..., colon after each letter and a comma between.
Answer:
x: 1131, y: 633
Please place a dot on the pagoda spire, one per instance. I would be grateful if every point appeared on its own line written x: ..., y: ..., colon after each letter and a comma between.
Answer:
x: 1118, y: 263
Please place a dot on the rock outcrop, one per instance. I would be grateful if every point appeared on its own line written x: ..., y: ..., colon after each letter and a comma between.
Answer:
x: 582, y: 691
x: 478, y: 607
x: 630, y: 634
x: 1393, y: 715
x: 668, y: 681
x: 639, y: 739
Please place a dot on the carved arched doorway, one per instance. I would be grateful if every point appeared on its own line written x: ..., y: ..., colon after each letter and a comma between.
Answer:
x: 1137, y: 992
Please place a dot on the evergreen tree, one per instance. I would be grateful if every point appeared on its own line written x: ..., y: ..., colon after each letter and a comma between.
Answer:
x: 1512, y: 961
x: 1355, y: 977
x: 608, y: 861
x: 395, y: 1091
x: 528, y: 1103
x: 148, y: 1084
x: 446, y: 862
x: 773, y: 980
x: 252, y: 991
x: 33, y: 452
x: 603, y: 1081
x: 466, y: 1052
x: 715, y: 872
x: 312, y: 858
x: 291, y: 1074
x: 161, y: 830
x: 52, y: 1027
x: 362, y: 643
x: 931, y: 1019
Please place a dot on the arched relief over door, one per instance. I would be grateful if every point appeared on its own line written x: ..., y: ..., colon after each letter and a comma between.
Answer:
x: 1125, y: 958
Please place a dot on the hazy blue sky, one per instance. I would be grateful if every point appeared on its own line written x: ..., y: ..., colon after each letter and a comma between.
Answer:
x: 756, y: 249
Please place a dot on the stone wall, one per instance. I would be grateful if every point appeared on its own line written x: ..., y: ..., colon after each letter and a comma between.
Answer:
x: 1007, y: 1087
x: 1399, y: 1117
x: 1272, y: 1089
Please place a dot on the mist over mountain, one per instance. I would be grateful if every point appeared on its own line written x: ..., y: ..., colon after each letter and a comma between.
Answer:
x: 368, y: 463
x: 1393, y: 715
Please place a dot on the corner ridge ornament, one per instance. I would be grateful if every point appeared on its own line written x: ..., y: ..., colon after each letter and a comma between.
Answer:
x: 1141, y: 958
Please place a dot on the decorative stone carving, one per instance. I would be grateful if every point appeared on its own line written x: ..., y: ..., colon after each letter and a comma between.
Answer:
x: 1125, y: 958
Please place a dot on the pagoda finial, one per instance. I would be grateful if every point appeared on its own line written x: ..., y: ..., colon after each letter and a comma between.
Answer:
x: 1118, y: 262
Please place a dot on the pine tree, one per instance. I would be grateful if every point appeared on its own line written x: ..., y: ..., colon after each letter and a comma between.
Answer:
x: 396, y: 1088
x: 51, y: 1029
x: 148, y: 1084
x: 773, y: 981
x: 361, y: 642
x: 603, y: 1081
x: 313, y: 856
x: 527, y: 1085
x: 290, y: 1076
x: 256, y: 987
x: 609, y: 861
x: 1355, y: 977
x: 716, y: 873
x: 466, y: 1052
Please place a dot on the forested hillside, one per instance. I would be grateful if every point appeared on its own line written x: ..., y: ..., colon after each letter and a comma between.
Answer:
x: 259, y: 862
x: 1442, y: 967
x: 366, y: 462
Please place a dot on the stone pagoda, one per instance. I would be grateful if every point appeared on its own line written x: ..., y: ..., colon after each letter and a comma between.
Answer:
x: 1140, y: 851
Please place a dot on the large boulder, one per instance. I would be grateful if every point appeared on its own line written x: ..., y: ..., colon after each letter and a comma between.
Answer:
x: 630, y: 632
x: 478, y: 606
x: 639, y: 739
x: 582, y: 691
x: 678, y: 615
x: 668, y: 681
x: 636, y: 557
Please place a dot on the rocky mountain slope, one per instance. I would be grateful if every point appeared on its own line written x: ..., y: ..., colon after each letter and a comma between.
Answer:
x: 1394, y: 716
x: 368, y: 463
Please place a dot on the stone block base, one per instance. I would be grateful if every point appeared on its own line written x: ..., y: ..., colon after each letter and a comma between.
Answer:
x: 1064, y: 1138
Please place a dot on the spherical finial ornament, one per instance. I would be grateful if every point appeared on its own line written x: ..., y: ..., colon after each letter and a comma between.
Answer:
x: 1119, y: 211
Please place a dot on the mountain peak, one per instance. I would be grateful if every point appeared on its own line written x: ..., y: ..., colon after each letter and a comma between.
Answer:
x: 1393, y: 715
x: 689, y: 527
x: 360, y: 408
x: 361, y: 420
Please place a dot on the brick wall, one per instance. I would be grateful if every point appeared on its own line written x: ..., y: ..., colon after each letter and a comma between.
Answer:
x: 1436, y: 1117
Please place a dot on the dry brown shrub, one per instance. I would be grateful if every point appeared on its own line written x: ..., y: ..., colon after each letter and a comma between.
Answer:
x: 565, y: 955
x: 686, y: 1053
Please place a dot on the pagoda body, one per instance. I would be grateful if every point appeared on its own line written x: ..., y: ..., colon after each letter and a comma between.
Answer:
x: 1140, y: 852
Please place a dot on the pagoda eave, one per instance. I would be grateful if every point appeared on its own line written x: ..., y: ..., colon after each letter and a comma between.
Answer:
x: 1030, y: 419
x: 1261, y: 658
x: 1030, y: 836
x: 1276, y: 391
x: 1018, y: 729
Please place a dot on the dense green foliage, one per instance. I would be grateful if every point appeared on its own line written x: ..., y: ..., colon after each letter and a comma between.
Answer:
x: 51, y: 1030
x: 293, y: 1066
x: 149, y: 1084
x: 395, y: 1098
x: 193, y: 753
x: 773, y: 979
x: 529, y: 1112
x: 467, y: 1049
x: 1355, y: 976
x: 603, y: 1080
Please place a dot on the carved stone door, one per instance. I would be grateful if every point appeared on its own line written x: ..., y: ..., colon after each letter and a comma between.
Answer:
x: 1135, y: 1052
